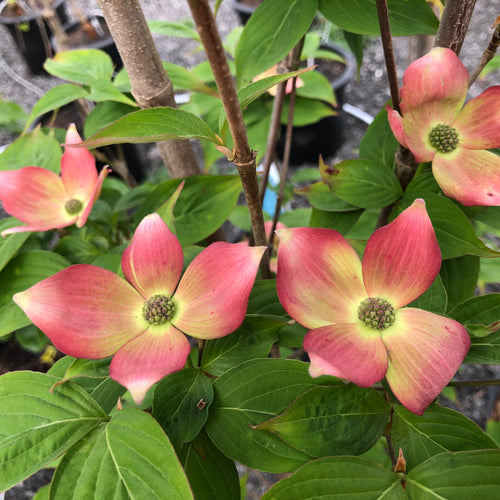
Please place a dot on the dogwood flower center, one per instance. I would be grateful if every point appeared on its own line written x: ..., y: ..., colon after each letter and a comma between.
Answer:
x: 444, y: 138
x: 377, y: 313
x: 158, y: 310
x: 73, y: 206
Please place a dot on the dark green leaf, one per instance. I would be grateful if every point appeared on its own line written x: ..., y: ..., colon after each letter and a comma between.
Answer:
x: 10, y: 243
x: 211, y: 474
x: 339, y: 478
x: 320, y: 197
x: 459, y: 277
x: 378, y: 143
x: 434, y: 298
x: 181, y: 404
x: 247, y: 395
x: 363, y: 183
x: 340, y: 221
x: 436, y: 431
x: 480, y: 315
x: 253, y: 339
x: 40, y: 421
x: 458, y: 476
x: 130, y: 457
x: 343, y: 420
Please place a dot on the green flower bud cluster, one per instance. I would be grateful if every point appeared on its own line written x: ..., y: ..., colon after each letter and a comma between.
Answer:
x: 158, y: 310
x: 444, y: 138
x: 73, y: 206
x: 376, y: 313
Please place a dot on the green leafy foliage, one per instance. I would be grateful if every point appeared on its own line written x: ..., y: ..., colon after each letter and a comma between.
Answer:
x: 271, y: 32
x: 360, y: 16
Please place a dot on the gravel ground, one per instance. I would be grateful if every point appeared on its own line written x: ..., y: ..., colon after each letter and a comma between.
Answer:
x: 369, y: 94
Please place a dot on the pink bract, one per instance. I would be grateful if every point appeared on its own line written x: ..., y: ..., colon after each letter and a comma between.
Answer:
x: 436, y: 127
x: 360, y: 330
x: 89, y: 312
x: 44, y: 200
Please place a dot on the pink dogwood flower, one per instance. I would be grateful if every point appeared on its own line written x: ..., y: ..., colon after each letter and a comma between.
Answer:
x: 44, y: 200
x: 360, y: 330
x: 89, y: 312
x: 436, y: 127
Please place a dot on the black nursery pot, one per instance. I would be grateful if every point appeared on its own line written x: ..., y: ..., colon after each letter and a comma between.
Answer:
x: 327, y: 135
x: 244, y: 11
x: 33, y: 42
x: 103, y: 42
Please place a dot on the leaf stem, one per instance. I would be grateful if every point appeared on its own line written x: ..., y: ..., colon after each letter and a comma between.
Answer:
x: 474, y: 383
x: 487, y: 55
x: 243, y: 157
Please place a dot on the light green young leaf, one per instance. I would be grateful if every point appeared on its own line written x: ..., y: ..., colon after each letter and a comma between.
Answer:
x: 151, y: 125
x: 84, y: 66
x: 55, y: 98
x: 32, y: 149
x: 104, y: 90
x: 176, y: 29
x: 480, y: 314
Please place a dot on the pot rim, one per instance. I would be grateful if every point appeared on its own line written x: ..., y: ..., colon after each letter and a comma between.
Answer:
x: 28, y: 17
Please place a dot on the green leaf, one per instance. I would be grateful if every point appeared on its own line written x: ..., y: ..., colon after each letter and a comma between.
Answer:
x: 493, y: 430
x: 484, y: 350
x: 211, y: 474
x: 12, y: 116
x: 364, y: 183
x: 32, y: 149
x: 55, y: 98
x: 460, y: 476
x: 181, y: 404
x: 85, y: 66
x: 270, y: 34
x: 204, y: 203
x: 103, y: 114
x: 339, y: 478
x: 298, y: 217
x: 340, y: 221
x: 253, y: 339
x: 343, y: 420
x: 436, y: 431
x: 170, y: 28
x: 316, y: 86
x: 306, y: 111
x: 40, y: 421
x: 264, y: 300
x: 245, y: 396
x: 434, y: 299
x: 320, y: 197
x: 459, y: 277
x: 22, y: 272
x: 183, y: 79
x: 130, y: 457
x: 166, y: 211
x: 10, y: 243
x: 480, y: 315
x: 151, y: 125
x: 454, y: 231
x: 76, y: 250
x: 104, y: 90
x: 407, y: 17
x: 378, y: 143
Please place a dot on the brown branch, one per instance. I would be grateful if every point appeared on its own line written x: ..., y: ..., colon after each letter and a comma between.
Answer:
x: 150, y: 83
x: 488, y: 54
x: 390, y: 63
x: 454, y: 24
x: 243, y: 157
x: 272, y: 136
